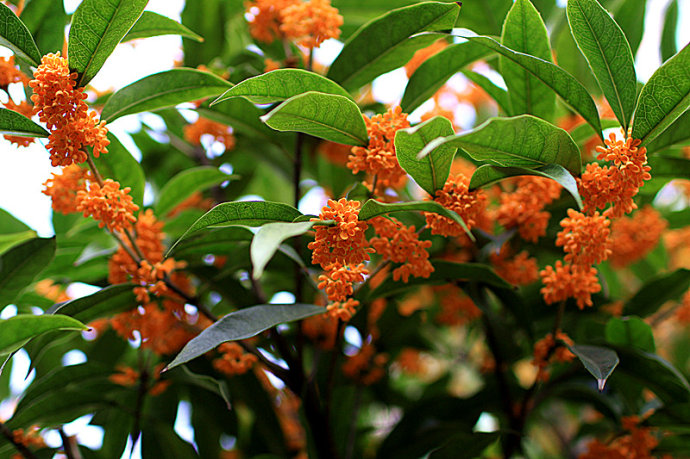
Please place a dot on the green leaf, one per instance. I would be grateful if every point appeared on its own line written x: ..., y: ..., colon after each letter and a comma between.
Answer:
x: 17, y: 330
x: 119, y: 164
x: 630, y: 17
x: 488, y: 174
x: 664, y: 98
x: 280, y: 85
x: 241, y: 114
x: 108, y: 301
x: 471, y: 445
x: 16, y: 36
x: 521, y: 141
x: 248, y: 213
x: 485, y: 17
x: 216, y: 241
x: 665, y: 166
x: 326, y: 116
x: 46, y: 20
x: 599, y: 361
x: 267, y: 241
x: 561, y: 82
x: 657, y: 291
x: 21, y: 264
x: 14, y: 123
x: 181, y: 186
x: 97, y: 28
x: 631, y: 332
x: 387, y: 42
x: 608, y: 53
x: 677, y: 133
x: 436, y: 70
x: 161, y: 90
x: 152, y: 24
x: 524, y: 31
x: 668, y: 34
x: 499, y: 95
x: 243, y: 324
x: 9, y: 240
x: 431, y: 171
x: 373, y: 208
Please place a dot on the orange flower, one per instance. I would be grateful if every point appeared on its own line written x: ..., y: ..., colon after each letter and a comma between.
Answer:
x: 569, y: 281
x: 343, y: 310
x: 337, y: 153
x: 410, y: 362
x: 519, y: 270
x: 524, y: 208
x: 311, y: 22
x: 633, y: 238
x: 202, y: 126
x: 9, y: 73
x: 455, y: 195
x: 365, y: 367
x: 322, y: 330
x: 585, y: 239
x: 379, y: 159
x: 271, y: 65
x: 338, y: 279
x: 423, y: 54
x: 109, y: 205
x: 62, y: 188
x: 264, y: 18
x: 401, y: 244
x: 31, y: 438
x: 456, y: 307
x: 234, y: 361
x: 638, y: 444
x: 25, y: 109
x: 682, y: 313
x: 125, y: 376
x: 48, y: 289
x: 547, y: 350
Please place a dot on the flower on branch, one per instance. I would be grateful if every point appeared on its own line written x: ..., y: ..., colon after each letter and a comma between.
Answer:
x: 524, y: 208
x: 111, y: 206
x: 456, y: 196
x: 62, y: 188
x: 311, y: 22
x: 585, y: 239
x: 569, y: 281
x: 401, y: 244
x: 632, y: 238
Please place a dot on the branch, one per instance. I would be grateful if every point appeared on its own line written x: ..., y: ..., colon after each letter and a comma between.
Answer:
x: 69, y: 445
x: 7, y: 433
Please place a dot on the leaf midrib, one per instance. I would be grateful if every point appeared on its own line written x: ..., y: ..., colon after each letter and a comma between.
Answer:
x: 295, y: 115
x: 684, y: 101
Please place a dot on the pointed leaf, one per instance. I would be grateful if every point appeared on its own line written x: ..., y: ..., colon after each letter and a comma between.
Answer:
x: 668, y: 34
x: 21, y: 264
x: 46, y: 20
x: 488, y: 174
x: 243, y: 324
x: 608, y: 53
x: 676, y: 134
x: 97, y: 28
x: 561, y: 82
x: 241, y: 114
x: 17, y: 330
x: 664, y: 98
x: 267, y: 240
x: 524, y: 31
x: 9, y: 240
x: 631, y: 332
x: 436, y: 70
x: 280, y: 85
x: 385, y: 43
x: 120, y: 165
x: 326, y: 116
x: 161, y: 90
x: 499, y: 95
x: 521, y: 141
x: 431, y: 171
x: 664, y: 166
x: 152, y: 24
x: 14, y: 123
x: 181, y: 186
x: 599, y: 361
x: 16, y: 36
x: 657, y: 291
x: 108, y: 301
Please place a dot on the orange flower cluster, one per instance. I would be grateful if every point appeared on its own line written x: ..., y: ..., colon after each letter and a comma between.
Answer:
x: 47, y: 289
x: 456, y: 196
x: 62, y: 188
x: 456, y: 307
x: 321, y: 330
x: 150, y: 278
x: 311, y: 22
x: 423, y: 54
x: 337, y: 153
x: 265, y: 18
x: 401, y: 244
x: 9, y: 73
x: 410, y: 362
x: 682, y: 313
x: 234, y: 361
x: 30, y: 438
x: 616, y: 184
x: 203, y: 126
x: 569, y: 281
x: 547, y: 350
x: 26, y: 109
x: 677, y: 243
x: 638, y: 444
x: 518, y: 270
x: 108, y: 204
x: 366, y: 367
x: 524, y: 208
x: 129, y: 377
x: 379, y: 159
x: 60, y: 104
x: 632, y: 238
x: 585, y: 239
x: 337, y: 281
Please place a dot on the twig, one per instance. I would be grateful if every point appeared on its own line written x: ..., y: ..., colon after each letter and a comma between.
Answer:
x: 7, y: 433
x: 352, y: 433
x: 69, y: 445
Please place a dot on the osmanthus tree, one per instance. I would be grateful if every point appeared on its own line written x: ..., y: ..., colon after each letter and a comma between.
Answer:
x: 506, y: 277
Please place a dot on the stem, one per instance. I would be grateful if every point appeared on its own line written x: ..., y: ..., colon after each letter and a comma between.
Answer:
x: 23, y: 450
x: 70, y: 447
x: 141, y: 395
x: 94, y: 169
x: 352, y: 433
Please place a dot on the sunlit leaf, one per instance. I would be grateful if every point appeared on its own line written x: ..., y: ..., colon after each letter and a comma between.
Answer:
x: 17, y: 330
x: 14, y: 123
x: 268, y: 239
x: 108, y: 301
x: 630, y: 331
x: 152, y: 24
x: 16, y: 36
x: 184, y: 184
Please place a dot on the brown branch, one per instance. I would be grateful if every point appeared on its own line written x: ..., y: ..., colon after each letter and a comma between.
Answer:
x: 69, y: 445
x: 23, y: 450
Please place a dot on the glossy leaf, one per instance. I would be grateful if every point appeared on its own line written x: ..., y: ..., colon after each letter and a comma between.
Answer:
x: 181, y: 186
x: 630, y: 331
x: 97, y: 28
x: 436, y: 70
x: 608, y: 53
x: 108, y: 301
x: 599, y: 361
x: 120, y: 165
x: 676, y: 134
x: 561, y: 82
x: 664, y: 98
x: 664, y: 166
x: 152, y: 24
x: 326, y: 116
x: 16, y: 36
x: 46, y: 20
x: 17, y: 330
x: 280, y: 85
x: 241, y: 114
x: 161, y: 90
x: 656, y: 291
x: 14, y: 123
x: 217, y: 240
x: 655, y: 373
x: 521, y: 141
x: 431, y: 171
x: 524, y: 32
x: 21, y: 264
x: 267, y: 240
x: 243, y: 324
x: 486, y: 17
x: 9, y: 240
x: 630, y: 16
x: 248, y: 213
x: 385, y: 43
x: 499, y: 95
x: 471, y: 445
x: 668, y: 33
x: 487, y: 174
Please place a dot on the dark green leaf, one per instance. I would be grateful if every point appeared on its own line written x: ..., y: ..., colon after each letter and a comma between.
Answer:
x: 630, y: 331
x: 214, y: 241
x: 521, y: 141
x: 665, y: 166
x: 108, y: 301
x: 16, y: 36
x: 488, y: 174
x: 485, y: 17
x: 668, y: 34
x: 119, y: 164
x: 524, y: 32
x: 152, y: 24
x: 161, y: 90
x: 385, y: 43
x: 280, y: 85
x: 676, y: 134
x: 243, y: 324
x: 267, y: 240
x: 561, y: 82
x: 161, y: 440
x: 471, y: 445
x: 17, y: 330
x: 9, y: 240
x: 599, y: 361
x: 185, y: 183
x: 97, y: 28
x: 657, y: 291
x: 241, y: 114
x: 326, y: 116
x: 14, y: 123
x: 664, y: 98
x: 630, y: 17
x: 436, y: 70
x: 46, y: 20
x: 21, y: 264
x: 431, y: 171
x: 499, y: 95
